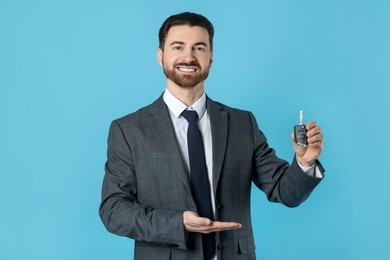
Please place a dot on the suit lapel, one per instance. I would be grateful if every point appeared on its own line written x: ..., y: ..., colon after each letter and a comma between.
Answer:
x: 219, y: 133
x: 160, y: 121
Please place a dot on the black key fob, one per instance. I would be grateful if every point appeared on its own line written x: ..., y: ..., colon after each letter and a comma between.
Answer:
x: 300, y: 131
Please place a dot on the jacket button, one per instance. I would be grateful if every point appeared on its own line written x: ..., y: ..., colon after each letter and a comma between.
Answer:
x: 219, y: 206
x: 219, y: 247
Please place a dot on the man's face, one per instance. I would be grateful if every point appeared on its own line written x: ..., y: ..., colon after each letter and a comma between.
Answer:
x: 187, y: 55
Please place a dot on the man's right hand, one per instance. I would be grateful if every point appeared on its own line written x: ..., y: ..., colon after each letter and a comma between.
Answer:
x: 193, y: 223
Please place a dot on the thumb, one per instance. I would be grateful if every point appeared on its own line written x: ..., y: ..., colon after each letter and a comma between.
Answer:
x: 203, y: 221
x: 293, y: 137
x: 192, y: 218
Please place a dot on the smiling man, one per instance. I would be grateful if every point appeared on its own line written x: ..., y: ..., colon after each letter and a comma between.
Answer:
x: 179, y: 171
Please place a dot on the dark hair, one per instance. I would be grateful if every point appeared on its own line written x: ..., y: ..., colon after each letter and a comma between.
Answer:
x: 187, y: 18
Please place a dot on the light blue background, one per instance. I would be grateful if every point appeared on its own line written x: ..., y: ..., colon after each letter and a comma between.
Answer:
x: 67, y: 68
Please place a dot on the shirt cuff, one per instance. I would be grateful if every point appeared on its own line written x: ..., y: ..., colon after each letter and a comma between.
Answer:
x: 312, y: 171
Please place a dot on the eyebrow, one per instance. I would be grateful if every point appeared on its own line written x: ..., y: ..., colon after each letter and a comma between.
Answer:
x: 176, y: 42
x: 182, y: 43
x: 200, y: 43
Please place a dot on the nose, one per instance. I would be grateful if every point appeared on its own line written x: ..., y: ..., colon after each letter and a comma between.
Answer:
x: 188, y: 55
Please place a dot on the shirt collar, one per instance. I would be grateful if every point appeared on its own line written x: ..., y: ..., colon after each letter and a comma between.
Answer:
x: 177, y: 107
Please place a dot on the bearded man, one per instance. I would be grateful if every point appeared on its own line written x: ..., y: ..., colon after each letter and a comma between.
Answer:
x: 179, y: 171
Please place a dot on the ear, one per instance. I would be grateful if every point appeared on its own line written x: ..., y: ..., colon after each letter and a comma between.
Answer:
x: 211, y: 59
x: 160, y: 56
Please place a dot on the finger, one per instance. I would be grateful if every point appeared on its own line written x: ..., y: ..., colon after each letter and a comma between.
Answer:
x: 316, y: 145
x: 310, y: 125
x: 219, y: 226
x: 315, y: 138
x: 216, y: 226
x: 315, y: 130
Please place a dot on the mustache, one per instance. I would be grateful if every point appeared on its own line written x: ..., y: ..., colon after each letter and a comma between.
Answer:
x: 192, y: 63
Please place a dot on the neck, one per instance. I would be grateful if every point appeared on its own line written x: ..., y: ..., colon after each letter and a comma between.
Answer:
x: 186, y: 95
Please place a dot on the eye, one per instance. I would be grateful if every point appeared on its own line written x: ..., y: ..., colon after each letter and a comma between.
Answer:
x: 199, y: 48
x: 178, y: 47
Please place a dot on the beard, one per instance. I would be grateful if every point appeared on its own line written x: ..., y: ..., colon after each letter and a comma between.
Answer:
x: 186, y: 80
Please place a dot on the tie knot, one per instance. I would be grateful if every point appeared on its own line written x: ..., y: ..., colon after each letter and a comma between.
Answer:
x: 190, y: 115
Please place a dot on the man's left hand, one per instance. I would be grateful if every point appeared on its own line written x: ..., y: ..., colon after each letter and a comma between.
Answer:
x: 307, y: 155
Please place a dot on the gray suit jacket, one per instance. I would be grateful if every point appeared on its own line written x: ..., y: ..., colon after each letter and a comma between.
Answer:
x: 147, y: 188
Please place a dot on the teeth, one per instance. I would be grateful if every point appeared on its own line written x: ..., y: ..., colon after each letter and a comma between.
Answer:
x: 187, y: 69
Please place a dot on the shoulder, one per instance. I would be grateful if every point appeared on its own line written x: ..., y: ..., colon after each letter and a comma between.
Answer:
x: 237, y: 117
x: 228, y: 109
x: 141, y: 113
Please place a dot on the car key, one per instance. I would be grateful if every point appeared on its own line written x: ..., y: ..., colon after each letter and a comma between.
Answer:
x: 300, y: 131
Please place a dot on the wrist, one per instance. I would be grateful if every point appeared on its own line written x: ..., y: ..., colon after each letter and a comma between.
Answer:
x: 303, y: 162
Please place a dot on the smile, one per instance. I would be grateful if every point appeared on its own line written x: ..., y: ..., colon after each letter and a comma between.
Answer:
x: 187, y: 69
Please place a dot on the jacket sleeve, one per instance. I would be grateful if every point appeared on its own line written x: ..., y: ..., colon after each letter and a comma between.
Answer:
x: 281, y: 182
x: 120, y: 210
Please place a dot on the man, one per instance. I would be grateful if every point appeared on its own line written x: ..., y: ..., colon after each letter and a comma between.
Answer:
x: 181, y: 197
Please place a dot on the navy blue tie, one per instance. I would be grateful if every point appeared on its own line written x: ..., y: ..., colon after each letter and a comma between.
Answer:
x: 199, y: 179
